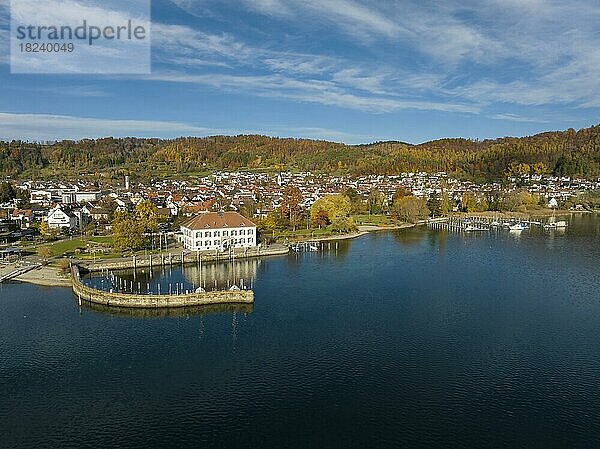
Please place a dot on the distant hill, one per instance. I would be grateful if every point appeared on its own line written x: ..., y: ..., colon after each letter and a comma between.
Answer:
x: 567, y: 152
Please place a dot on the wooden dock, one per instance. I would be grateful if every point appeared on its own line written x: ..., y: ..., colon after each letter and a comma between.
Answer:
x: 480, y: 224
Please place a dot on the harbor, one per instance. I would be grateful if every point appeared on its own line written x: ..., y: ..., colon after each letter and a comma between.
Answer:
x: 475, y: 224
x: 175, y: 298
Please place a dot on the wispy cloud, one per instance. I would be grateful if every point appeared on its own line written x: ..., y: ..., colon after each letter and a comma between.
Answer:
x: 313, y: 91
x: 74, y: 90
x: 354, y: 17
x: 516, y: 118
x: 52, y: 127
x: 43, y: 127
x: 298, y: 76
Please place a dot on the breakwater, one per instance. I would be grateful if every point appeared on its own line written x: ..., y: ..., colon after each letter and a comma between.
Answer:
x: 112, y: 299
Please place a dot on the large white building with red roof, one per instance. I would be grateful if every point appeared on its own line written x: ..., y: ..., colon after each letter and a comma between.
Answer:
x: 218, y: 231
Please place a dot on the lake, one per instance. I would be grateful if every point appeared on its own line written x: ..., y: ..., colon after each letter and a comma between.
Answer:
x: 414, y: 338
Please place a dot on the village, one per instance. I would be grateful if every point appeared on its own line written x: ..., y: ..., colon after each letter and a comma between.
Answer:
x: 73, y: 208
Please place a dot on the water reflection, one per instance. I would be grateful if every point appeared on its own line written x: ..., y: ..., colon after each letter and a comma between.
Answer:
x: 167, y: 312
x: 177, y: 279
x: 409, y: 237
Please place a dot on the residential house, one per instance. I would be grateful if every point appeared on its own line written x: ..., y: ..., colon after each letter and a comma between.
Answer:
x: 24, y: 217
x: 74, y: 218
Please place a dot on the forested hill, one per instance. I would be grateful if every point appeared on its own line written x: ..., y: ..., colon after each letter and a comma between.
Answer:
x: 564, y: 153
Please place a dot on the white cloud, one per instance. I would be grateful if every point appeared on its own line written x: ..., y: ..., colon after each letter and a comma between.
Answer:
x: 104, y: 56
x: 312, y: 91
x: 54, y: 127
x: 354, y: 17
x: 516, y: 118
x: 42, y: 127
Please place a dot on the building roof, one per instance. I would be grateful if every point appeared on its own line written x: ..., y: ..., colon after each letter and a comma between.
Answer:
x: 24, y: 212
x: 218, y: 220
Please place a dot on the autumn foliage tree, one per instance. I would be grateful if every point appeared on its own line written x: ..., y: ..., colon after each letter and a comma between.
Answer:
x: 128, y: 232
x: 411, y: 209
x: 329, y: 208
x: 290, y: 205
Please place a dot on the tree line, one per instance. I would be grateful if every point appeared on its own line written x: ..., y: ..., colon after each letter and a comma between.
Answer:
x: 563, y: 153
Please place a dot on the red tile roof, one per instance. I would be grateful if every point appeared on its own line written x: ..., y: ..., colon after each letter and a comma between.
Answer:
x: 215, y: 220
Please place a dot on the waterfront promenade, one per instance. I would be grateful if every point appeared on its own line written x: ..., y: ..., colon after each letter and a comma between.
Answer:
x: 182, y: 257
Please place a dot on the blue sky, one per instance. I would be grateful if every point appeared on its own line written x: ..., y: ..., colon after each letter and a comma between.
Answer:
x: 344, y: 70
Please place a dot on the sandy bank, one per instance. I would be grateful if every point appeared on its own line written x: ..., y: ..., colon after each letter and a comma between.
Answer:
x: 46, y: 276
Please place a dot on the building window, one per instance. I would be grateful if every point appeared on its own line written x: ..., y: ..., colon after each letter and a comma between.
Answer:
x: 217, y: 233
x: 233, y: 232
x: 207, y: 243
x: 250, y: 231
x: 217, y: 243
x: 242, y: 241
x: 225, y: 233
x: 207, y: 234
x: 242, y: 232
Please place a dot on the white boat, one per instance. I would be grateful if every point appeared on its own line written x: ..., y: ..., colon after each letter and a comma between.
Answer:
x: 518, y: 227
x: 474, y: 228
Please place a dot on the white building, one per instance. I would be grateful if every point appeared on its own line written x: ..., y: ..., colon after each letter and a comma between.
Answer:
x: 40, y: 196
x: 218, y: 231
x: 68, y: 217
x: 80, y: 197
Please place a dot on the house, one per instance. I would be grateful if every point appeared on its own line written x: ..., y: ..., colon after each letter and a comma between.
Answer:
x: 68, y: 217
x: 218, y: 231
x: 24, y: 217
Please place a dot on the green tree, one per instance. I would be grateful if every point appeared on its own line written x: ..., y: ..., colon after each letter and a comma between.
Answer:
x: 411, y: 209
x: 401, y: 192
x: 145, y: 213
x: 64, y: 267
x: 468, y: 202
x: 434, y: 204
x: 375, y: 201
x: 343, y: 224
x: 445, y: 204
x: 358, y: 205
x: 128, y: 232
x: 7, y: 193
x: 44, y: 252
x: 331, y: 206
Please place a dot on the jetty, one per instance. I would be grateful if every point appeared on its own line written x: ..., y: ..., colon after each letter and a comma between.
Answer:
x: 476, y: 224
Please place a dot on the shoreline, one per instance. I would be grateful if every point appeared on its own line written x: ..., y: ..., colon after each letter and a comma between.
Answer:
x: 362, y: 230
x: 45, y: 277
x: 48, y: 276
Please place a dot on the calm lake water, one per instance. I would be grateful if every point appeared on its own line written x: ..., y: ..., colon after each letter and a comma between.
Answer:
x: 407, y: 339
